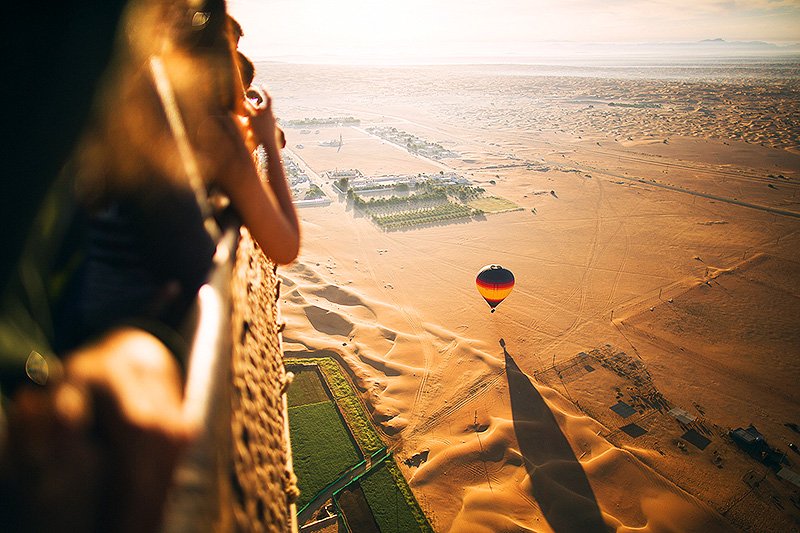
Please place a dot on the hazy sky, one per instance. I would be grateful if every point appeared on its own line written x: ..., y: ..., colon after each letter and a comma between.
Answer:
x: 441, y: 28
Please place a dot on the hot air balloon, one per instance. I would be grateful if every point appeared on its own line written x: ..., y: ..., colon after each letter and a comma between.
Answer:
x: 494, y: 283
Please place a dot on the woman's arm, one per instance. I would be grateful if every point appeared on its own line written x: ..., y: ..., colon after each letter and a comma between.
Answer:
x: 262, y: 123
x: 266, y: 208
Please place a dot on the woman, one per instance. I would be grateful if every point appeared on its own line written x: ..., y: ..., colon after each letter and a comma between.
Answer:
x: 177, y: 113
x: 120, y: 290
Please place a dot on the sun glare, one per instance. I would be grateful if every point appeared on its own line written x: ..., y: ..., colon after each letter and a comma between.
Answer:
x: 364, y: 30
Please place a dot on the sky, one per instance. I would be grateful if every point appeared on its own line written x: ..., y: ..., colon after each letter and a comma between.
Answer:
x: 419, y: 29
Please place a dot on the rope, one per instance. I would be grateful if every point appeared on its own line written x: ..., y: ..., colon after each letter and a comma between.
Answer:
x: 176, y: 125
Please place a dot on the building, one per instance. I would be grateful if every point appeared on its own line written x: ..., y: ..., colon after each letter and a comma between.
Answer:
x: 750, y: 440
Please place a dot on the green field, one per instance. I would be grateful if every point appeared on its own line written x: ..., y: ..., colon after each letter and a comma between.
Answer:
x: 394, y: 507
x: 342, y: 391
x: 492, y: 204
x: 307, y: 387
x: 321, y: 447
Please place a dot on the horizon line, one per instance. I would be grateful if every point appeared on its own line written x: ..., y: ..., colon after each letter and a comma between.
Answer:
x: 715, y: 48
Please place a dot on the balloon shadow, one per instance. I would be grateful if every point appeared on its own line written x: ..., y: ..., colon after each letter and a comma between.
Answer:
x: 558, y: 482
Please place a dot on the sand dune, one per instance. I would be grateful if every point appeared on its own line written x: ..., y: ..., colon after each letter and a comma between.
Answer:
x: 675, y: 298
x: 339, y: 296
x: 517, y: 468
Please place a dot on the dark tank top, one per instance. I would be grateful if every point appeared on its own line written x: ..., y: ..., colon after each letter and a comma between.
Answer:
x: 145, y: 256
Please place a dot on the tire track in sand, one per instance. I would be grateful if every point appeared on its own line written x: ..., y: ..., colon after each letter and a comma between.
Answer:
x: 467, y: 395
x: 411, y: 317
x: 591, y: 260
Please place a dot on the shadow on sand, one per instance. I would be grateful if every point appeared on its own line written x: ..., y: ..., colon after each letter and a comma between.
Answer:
x: 558, y: 482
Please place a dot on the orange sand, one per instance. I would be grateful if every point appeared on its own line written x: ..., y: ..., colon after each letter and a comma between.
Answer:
x: 514, y: 446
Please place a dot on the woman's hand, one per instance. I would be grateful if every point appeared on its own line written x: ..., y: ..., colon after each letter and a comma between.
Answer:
x: 262, y: 120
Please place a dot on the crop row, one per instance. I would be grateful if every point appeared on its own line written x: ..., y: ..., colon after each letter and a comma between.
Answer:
x: 439, y: 213
x: 391, y: 201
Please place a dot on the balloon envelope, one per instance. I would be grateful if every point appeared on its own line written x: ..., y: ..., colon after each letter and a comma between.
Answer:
x: 494, y: 284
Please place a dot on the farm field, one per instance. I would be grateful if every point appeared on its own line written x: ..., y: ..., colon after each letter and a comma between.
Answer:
x: 393, y: 508
x: 355, y: 510
x: 370, y: 492
x: 307, y: 388
x: 434, y: 215
x: 492, y: 204
x: 341, y: 391
x: 322, y: 446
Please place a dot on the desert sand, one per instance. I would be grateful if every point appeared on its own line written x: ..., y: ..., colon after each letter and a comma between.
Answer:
x: 662, y: 271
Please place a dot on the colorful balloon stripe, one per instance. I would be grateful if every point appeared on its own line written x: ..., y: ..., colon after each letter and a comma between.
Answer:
x: 490, y: 285
x: 496, y: 296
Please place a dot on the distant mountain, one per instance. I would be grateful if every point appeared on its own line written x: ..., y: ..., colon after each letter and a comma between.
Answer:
x: 718, y: 46
x: 723, y: 47
x: 738, y: 44
x: 707, y: 48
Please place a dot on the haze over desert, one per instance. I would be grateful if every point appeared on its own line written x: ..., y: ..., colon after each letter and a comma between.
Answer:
x: 655, y: 251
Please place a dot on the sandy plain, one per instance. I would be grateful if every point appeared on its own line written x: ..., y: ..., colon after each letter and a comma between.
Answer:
x: 666, y: 260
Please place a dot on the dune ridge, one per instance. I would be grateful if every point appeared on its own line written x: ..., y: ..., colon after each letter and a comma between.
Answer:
x: 518, y: 470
